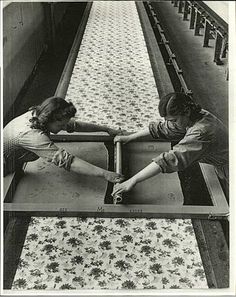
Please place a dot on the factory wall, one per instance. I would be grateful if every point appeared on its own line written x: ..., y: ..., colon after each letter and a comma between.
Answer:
x: 28, y: 29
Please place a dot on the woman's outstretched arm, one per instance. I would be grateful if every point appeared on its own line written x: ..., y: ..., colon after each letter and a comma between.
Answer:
x: 147, y: 172
x: 82, y: 167
x: 40, y: 144
x: 144, y: 134
x: 79, y: 126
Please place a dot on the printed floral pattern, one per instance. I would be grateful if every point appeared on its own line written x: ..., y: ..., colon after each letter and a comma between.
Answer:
x: 113, y: 84
x: 112, y: 81
x: 98, y: 253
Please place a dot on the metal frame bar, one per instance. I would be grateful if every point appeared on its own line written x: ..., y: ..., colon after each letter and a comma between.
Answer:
x: 219, y: 210
x: 118, y: 158
x: 118, y: 168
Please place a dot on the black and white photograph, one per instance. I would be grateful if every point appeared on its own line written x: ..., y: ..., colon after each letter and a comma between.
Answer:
x: 117, y: 141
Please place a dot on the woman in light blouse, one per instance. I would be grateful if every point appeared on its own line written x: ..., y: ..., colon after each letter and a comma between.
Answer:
x: 27, y: 137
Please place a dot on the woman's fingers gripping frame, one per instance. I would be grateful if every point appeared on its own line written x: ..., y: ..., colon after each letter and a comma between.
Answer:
x: 117, y: 189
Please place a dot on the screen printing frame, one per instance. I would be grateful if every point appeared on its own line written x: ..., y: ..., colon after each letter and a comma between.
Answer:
x: 218, y: 210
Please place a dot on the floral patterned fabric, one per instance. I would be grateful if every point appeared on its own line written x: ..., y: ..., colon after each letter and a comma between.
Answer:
x: 97, y: 253
x: 113, y: 84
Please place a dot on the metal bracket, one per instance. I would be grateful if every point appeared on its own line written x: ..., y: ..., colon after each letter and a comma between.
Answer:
x: 218, y: 216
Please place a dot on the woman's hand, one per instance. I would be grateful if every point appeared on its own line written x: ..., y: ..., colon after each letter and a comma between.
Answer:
x: 123, y: 187
x: 113, y: 177
x: 122, y: 138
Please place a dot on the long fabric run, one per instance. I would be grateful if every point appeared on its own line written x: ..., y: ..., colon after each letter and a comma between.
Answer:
x: 112, y: 83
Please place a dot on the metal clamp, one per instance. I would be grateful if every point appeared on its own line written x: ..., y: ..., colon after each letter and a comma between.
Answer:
x: 218, y: 216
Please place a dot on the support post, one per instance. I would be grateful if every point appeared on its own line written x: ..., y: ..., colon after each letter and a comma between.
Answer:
x: 207, y: 34
x: 192, y: 17
x: 180, y: 8
x: 218, y: 48
x: 186, y: 7
x: 197, y: 25
x: 175, y: 3
x: 224, y: 48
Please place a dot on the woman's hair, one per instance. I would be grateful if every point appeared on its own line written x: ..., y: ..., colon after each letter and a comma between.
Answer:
x: 52, y: 109
x: 179, y: 104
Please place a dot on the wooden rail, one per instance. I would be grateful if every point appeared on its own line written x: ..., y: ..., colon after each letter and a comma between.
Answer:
x: 89, y: 209
x: 170, y: 56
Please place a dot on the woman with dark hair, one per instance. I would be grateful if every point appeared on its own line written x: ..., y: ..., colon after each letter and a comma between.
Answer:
x: 200, y: 136
x: 27, y: 137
